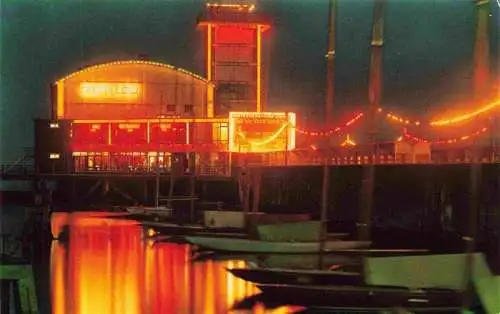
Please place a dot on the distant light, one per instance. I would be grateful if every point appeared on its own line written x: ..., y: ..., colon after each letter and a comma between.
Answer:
x: 348, y: 142
x: 151, y: 232
x: 54, y: 156
x: 54, y: 125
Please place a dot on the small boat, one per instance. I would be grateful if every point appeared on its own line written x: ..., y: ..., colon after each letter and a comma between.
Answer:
x: 160, y: 210
x: 290, y: 261
x: 170, y: 228
x: 382, y: 297
x: 257, y: 246
x: 301, y: 231
x: 297, y: 277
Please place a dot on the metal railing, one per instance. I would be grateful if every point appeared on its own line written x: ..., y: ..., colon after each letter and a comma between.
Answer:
x: 23, y: 166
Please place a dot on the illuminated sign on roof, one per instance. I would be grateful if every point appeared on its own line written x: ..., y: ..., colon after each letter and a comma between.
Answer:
x: 109, y: 90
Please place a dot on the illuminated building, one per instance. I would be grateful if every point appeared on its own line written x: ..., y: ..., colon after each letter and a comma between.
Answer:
x: 141, y: 116
x: 234, y: 55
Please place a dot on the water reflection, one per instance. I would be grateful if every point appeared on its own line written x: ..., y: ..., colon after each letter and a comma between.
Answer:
x: 108, y: 267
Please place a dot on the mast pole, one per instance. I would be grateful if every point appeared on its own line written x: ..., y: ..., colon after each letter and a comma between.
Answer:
x: 374, y: 93
x: 330, y: 89
x: 157, y: 170
x: 481, y: 78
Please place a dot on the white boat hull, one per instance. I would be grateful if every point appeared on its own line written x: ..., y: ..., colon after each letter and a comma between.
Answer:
x: 160, y: 211
x: 256, y: 246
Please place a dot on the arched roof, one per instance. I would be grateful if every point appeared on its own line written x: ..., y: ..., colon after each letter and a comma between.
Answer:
x: 128, y: 62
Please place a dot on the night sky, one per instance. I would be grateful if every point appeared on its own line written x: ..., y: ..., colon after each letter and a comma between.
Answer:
x: 427, y: 54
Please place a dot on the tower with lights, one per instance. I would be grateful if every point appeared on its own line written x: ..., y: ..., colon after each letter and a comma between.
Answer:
x: 234, y: 55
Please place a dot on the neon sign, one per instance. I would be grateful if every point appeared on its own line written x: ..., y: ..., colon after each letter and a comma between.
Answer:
x: 109, y: 90
x: 260, y: 132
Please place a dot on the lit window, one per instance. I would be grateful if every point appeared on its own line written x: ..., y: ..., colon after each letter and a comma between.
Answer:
x: 54, y: 156
x: 54, y: 125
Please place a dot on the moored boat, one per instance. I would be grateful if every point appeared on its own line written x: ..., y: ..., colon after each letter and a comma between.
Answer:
x: 366, y: 296
x: 297, y: 276
x: 257, y: 246
x: 300, y: 231
x: 160, y: 210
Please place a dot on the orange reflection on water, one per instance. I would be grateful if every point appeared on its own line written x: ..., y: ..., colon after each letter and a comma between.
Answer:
x: 108, y: 267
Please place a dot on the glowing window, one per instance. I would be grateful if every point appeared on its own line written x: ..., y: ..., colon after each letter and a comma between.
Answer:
x: 109, y: 90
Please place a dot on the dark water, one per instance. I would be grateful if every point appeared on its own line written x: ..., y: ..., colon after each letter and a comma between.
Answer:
x: 108, y: 266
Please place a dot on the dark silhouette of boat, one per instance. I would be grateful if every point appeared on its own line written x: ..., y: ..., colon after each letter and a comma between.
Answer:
x: 366, y: 296
x: 297, y: 276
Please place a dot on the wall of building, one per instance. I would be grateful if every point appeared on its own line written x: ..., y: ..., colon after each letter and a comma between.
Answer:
x: 132, y: 90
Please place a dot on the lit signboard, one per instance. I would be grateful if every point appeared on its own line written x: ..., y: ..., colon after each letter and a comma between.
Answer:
x: 260, y: 132
x: 129, y: 133
x: 90, y: 133
x: 169, y: 133
x: 123, y: 91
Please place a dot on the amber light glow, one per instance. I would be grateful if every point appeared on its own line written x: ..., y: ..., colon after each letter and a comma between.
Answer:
x: 446, y: 141
x: 348, y: 142
x: 109, y: 267
x: 259, y: 68
x: 466, y: 116
x: 110, y: 90
x: 328, y: 132
x: 258, y: 132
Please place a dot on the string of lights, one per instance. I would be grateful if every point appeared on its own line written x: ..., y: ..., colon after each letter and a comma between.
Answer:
x: 328, y: 132
x: 395, y: 118
x: 447, y: 141
x: 445, y: 121
x: 409, y: 122
x: 467, y: 116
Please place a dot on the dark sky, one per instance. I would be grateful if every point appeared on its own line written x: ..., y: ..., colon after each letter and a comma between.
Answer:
x: 427, y: 55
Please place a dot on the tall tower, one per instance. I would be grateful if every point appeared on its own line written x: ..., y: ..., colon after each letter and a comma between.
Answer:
x: 233, y: 59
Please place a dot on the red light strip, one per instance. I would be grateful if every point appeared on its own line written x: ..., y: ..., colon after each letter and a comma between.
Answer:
x: 331, y: 131
x: 448, y: 141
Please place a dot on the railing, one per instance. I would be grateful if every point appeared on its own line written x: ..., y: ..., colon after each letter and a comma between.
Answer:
x: 16, y: 169
x: 24, y: 166
x: 221, y: 167
x: 311, y: 159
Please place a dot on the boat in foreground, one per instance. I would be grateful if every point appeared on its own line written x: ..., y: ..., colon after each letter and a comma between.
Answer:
x: 297, y: 276
x: 257, y: 246
x: 382, y: 297
x: 289, y: 261
x: 160, y: 210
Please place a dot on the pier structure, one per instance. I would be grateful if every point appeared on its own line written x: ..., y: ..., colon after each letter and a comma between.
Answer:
x: 121, y: 127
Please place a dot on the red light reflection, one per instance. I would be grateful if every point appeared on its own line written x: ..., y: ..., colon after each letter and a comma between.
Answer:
x: 108, y: 267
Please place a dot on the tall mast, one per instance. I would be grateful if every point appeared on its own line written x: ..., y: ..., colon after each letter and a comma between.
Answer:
x: 481, y: 81
x: 330, y: 55
x: 330, y: 61
x: 374, y: 92
x: 482, y: 50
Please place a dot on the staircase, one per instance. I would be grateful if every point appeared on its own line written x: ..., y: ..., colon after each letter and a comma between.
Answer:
x: 20, y: 169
